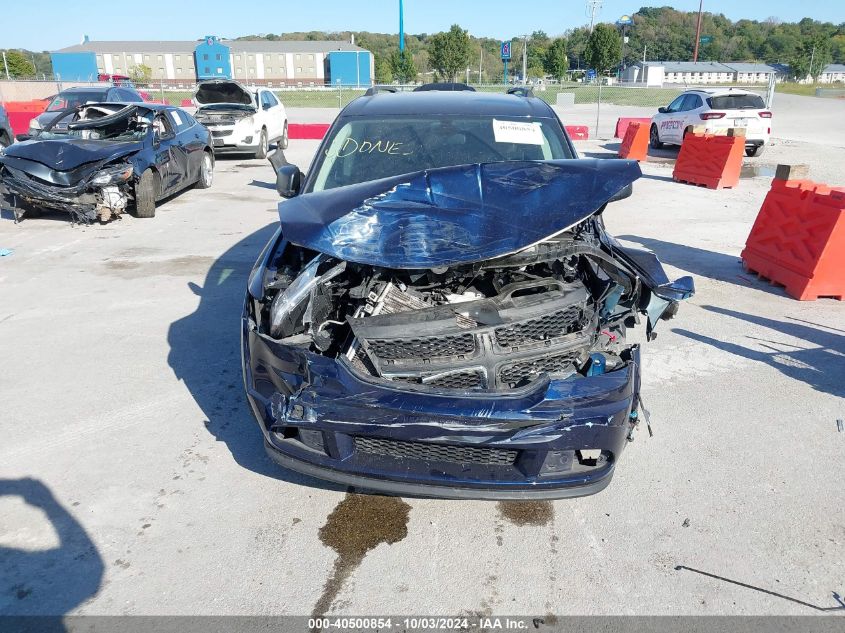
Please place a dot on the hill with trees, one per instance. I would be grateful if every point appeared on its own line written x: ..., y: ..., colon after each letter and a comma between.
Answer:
x: 658, y: 33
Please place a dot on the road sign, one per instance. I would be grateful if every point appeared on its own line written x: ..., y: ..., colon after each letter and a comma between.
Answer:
x: 705, y: 39
x: 506, y: 50
x: 591, y: 75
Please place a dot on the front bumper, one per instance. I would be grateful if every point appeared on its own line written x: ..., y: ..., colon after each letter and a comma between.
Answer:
x: 233, y: 139
x: 319, y: 417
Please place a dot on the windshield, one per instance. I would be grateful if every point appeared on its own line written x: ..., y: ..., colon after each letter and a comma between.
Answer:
x: 67, y: 100
x: 736, y: 102
x: 368, y: 149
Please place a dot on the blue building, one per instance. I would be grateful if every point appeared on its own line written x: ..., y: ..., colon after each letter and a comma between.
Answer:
x: 259, y: 62
x: 350, y: 68
x: 212, y: 61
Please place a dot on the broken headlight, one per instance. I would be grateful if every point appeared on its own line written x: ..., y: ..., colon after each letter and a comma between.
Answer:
x: 112, y: 175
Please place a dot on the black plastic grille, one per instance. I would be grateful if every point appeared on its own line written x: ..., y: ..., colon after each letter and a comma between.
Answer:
x: 547, y: 327
x: 457, y: 380
x: 219, y: 133
x: 436, y: 452
x: 519, y: 373
x: 423, y: 348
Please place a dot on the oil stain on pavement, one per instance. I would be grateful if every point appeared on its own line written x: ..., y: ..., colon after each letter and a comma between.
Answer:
x: 522, y: 513
x: 358, y: 524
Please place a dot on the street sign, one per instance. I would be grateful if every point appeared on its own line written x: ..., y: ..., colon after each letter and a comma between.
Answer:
x: 506, y: 50
x: 705, y: 39
x: 591, y: 75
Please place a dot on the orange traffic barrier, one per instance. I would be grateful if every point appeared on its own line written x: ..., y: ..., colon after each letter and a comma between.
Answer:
x: 622, y: 124
x: 798, y: 239
x: 710, y: 161
x: 635, y: 143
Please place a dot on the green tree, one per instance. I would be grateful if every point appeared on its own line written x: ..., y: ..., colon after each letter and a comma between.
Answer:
x: 402, y: 66
x: 603, y: 49
x: 140, y: 74
x: 449, y: 52
x: 18, y: 65
x: 384, y: 73
x: 556, y: 62
x: 821, y: 55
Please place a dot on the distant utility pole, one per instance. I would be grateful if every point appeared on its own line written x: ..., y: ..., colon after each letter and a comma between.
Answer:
x: 593, y: 7
x: 697, y: 32
x: 524, y: 58
x: 6, y: 65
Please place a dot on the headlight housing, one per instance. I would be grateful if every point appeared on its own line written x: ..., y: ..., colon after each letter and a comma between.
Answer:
x: 112, y: 175
x: 34, y: 125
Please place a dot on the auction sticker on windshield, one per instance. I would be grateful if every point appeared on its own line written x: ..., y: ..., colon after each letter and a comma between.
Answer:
x: 517, y: 132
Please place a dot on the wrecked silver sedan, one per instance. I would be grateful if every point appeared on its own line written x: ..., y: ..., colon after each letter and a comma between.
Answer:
x: 442, y: 312
x: 98, y: 160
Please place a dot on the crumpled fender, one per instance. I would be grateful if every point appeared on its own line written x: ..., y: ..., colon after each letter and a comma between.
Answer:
x: 453, y: 215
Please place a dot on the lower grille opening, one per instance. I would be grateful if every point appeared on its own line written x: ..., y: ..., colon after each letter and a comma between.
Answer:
x: 454, y: 380
x: 436, y: 452
x: 518, y: 374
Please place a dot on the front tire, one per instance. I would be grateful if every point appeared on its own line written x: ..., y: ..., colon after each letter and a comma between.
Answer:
x: 654, y: 138
x: 263, y: 145
x: 754, y: 152
x: 283, y: 142
x: 206, y: 171
x: 145, y: 195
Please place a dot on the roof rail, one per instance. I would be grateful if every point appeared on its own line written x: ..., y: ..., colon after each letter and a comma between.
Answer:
x: 444, y: 85
x: 521, y: 91
x: 377, y: 89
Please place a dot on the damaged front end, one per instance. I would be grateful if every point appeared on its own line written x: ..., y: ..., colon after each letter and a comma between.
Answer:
x: 459, y: 332
x: 76, y: 171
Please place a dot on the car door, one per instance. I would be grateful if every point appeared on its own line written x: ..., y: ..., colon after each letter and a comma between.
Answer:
x: 691, y: 109
x: 192, y: 138
x: 269, y: 106
x: 672, y: 121
x: 184, y: 165
x: 166, y: 159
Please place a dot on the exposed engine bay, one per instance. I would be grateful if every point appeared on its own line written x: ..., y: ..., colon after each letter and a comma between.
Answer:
x: 560, y: 307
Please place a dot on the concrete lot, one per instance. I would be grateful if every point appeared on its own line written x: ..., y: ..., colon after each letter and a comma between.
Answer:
x: 133, y: 478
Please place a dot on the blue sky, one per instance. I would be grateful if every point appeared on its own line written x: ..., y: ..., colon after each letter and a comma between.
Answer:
x: 65, y: 23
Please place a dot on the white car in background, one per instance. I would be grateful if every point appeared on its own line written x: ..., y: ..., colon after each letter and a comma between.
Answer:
x: 716, y: 109
x: 240, y: 118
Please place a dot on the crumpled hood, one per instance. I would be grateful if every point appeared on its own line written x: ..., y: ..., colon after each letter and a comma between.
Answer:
x: 68, y: 154
x: 451, y: 215
x: 222, y: 91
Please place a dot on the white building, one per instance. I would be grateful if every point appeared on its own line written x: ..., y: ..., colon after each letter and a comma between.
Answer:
x: 698, y: 73
x: 832, y: 73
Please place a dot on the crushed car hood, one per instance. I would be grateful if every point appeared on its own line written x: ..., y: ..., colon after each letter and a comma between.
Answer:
x: 452, y: 215
x: 223, y: 92
x: 68, y: 154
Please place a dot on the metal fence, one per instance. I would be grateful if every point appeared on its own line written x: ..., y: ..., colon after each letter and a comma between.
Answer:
x: 594, y: 105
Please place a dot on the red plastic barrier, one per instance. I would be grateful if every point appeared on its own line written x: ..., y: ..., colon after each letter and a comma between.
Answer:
x: 20, y: 121
x: 307, y: 131
x: 710, y: 161
x: 578, y: 132
x: 798, y: 239
x: 186, y: 103
x: 635, y: 143
x: 622, y: 124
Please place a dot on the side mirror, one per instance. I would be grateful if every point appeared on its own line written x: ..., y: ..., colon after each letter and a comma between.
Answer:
x: 662, y: 110
x: 288, y: 177
x: 288, y: 181
x: 23, y: 137
x: 625, y: 192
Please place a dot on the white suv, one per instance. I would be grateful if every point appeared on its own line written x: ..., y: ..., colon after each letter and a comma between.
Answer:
x: 240, y: 118
x: 716, y: 109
